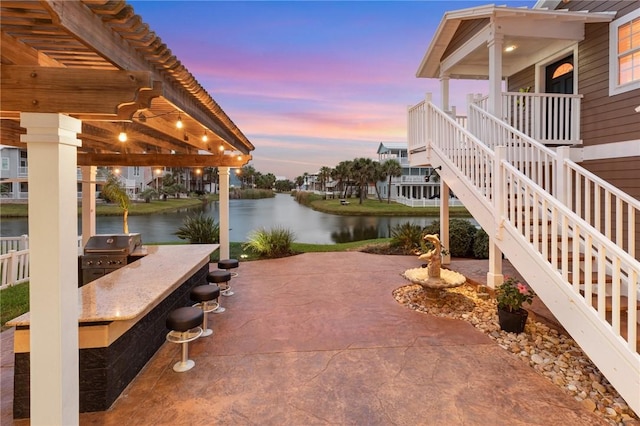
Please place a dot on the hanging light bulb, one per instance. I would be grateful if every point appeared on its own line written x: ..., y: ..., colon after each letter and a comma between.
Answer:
x: 122, y: 136
x: 179, y: 122
x: 205, y: 137
x: 221, y: 148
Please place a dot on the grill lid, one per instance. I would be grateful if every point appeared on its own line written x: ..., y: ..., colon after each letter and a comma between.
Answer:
x: 121, y: 244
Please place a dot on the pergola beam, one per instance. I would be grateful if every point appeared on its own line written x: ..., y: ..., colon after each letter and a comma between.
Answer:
x: 73, y: 91
x: 163, y: 160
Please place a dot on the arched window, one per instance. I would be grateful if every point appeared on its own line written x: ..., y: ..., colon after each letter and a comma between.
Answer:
x: 562, y: 70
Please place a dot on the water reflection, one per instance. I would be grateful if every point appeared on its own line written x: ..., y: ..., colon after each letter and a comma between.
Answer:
x: 245, y: 216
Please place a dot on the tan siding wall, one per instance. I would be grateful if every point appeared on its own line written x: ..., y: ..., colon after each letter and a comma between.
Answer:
x: 605, y: 118
x: 465, y: 31
x: 621, y: 6
x: 521, y: 79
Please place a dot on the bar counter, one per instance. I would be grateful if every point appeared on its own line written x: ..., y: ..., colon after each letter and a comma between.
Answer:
x: 121, y: 322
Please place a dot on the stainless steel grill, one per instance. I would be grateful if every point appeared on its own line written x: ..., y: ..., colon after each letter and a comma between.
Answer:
x: 106, y: 253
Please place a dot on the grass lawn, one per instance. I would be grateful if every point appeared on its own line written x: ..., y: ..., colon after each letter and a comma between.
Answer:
x: 14, y: 301
x: 373, y: 207
x: 104, y: 209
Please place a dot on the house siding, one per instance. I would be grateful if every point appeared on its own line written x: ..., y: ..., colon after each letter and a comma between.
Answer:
x: 605, y: 119
x: 465, y: 31
x: 522, y: 79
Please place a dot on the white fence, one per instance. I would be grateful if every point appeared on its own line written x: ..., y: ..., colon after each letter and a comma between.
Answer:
x: 426, y: 202
x: 14, y: 260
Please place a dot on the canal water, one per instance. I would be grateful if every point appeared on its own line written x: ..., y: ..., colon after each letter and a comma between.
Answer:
x: 245, y: 216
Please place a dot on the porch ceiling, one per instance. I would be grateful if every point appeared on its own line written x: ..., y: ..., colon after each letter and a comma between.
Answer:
x: 460, y: 47
x: 97, y: 61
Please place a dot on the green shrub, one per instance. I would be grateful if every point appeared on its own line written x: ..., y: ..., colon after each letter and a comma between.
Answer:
x: 406, y: 237
x: 461, y: 236
x: 275, y: 242
x: 481, y: 245
x: 199, y: 229
x: 461, y: 233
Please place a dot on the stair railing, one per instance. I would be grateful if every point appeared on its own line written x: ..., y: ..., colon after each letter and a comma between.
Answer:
x: 538, y: 229
x: 608, y: 209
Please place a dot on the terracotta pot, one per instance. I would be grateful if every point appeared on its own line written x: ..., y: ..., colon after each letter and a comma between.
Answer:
x: 512, y: 321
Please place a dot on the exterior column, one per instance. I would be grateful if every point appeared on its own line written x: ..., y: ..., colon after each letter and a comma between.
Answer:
x: 88, y: 202
x: 53, y: 227
x: 444, y: 220
x: 494, y: 276
x: 223, y: 175
x: 495, y: 73
x: 444, y: 91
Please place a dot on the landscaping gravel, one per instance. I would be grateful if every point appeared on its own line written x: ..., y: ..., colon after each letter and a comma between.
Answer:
x: 548, y: 351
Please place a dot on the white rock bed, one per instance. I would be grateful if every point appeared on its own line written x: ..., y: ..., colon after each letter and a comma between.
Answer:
x: 552, y: 354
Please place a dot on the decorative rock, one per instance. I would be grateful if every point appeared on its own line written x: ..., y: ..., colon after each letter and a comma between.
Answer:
x: 589, y: 405
x: 537, y: 359
x: 554, y: 355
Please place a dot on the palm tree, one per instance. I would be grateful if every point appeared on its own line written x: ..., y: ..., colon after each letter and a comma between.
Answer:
x: 299, y: 182
x: 114, y: 191
x: 342, y: 174
x: 363, y: 173
x: 379, y: 175
x: 393, y: 169
x: 324, y: 175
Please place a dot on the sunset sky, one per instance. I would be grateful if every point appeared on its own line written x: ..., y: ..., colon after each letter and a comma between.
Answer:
x: 310, y: 83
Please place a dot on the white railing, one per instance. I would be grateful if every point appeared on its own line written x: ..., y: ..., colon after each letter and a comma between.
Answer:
x: 526, y: 154
x: 551, y: 118
x: 13, y: 243
x: 611, y: 211
x: 546, y: 239
x: 14, y: 260
x: 409, y: 179
x: 426, y: 202
x: 14, y: 268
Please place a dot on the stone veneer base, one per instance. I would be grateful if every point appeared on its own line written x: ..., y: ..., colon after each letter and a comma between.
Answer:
x: 106, y: 372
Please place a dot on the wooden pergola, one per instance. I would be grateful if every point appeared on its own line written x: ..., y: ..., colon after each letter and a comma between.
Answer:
x: 74, y: 75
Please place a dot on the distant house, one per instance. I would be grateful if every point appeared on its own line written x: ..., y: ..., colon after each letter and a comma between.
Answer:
x: 416, y: 186
x: 549, y: 166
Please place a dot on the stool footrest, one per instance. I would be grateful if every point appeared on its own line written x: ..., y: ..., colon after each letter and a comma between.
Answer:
x: 184, y: 336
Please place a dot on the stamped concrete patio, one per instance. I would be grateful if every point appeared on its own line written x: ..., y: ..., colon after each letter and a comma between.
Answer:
x: 319, y: 339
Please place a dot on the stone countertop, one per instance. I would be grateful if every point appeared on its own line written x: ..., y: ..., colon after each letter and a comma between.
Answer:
x: 133, y: 290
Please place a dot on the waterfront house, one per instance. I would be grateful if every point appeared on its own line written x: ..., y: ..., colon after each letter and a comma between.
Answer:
x: 416, y: 186
x: 547, y: 161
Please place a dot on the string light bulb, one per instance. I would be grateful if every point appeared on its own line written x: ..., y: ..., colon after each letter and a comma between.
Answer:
x: 179, y: 122
x: 221, y: 148
x: 205, y: 137
x: 122, y: 136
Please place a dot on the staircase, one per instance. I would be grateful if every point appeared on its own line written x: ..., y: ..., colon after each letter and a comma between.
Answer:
x: 569, y: 234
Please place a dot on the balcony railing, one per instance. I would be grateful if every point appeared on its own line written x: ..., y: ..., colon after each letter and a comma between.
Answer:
x: 550, y: 118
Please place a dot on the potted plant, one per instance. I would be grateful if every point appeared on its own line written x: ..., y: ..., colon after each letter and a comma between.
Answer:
x: 510, y: 297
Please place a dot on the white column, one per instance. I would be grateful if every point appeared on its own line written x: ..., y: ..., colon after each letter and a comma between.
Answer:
x: 53, y: 227
x: 444, y: 91
x: 495, y: 74
x: 444, y: 220
x: 494, y: 276
x: 223, y: 175
x: 88, y: 203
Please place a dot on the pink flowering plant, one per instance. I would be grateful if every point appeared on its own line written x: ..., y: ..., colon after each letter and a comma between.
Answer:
x: 512, y: 294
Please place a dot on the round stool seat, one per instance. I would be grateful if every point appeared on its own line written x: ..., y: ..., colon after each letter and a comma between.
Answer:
x: 205, y: 293
x: 218, y: 277
x: 228, y: 264
x: 184, y: 319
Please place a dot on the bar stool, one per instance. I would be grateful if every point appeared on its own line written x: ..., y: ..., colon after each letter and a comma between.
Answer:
x: 206, y: 297
x: 221, y: 278
x: 228, y: 264
x: 184, y: 325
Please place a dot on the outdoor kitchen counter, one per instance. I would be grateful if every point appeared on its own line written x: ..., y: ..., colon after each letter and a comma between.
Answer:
x: 121, y: 322
x: 130, y: 292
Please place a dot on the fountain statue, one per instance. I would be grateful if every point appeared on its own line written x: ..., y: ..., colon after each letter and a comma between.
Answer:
x: 433, y: 278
